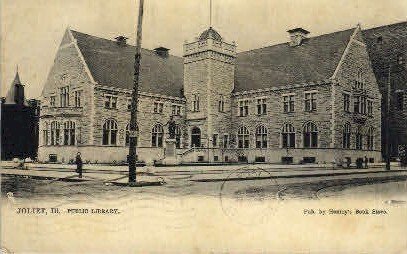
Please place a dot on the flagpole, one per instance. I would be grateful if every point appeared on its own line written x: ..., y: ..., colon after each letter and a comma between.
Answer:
x: 134, y: 99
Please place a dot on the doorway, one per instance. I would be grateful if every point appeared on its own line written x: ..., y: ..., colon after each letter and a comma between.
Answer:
x: 195, y: 137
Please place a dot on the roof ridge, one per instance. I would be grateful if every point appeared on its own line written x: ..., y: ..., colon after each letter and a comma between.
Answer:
x: 112, y: 41
x: 313, y: 37
x: 389, y: 25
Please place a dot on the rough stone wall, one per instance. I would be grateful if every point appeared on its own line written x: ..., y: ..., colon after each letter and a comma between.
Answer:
x: 356, y: 60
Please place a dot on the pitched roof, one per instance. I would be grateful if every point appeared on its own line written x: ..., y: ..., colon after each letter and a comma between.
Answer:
x: 112, y: 64
x: 10, y: 97
x: 278, y: 65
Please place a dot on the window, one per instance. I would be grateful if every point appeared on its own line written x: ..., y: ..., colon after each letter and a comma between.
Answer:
x: 158, y: 107
x: 127, y: 140
x: 157, y: 134
x: 356, y: 104
x: 261, y: 137
x: 346, y: 136
x: 129, y: 104
x: 261, y: 106
x: 109, y: 132
x: 310, y: 101
x: 55, y: 133
x: 45, y: 132
x: 310, y: 135
x: 360, y: 105
x: 346, y: 102
x: 64, y: 96
x: 288, y: 103
x: 110, y: 101
x: 225, y: 140
x: 69, y: 133
x: 52, y: 101
x: 370, y: 107
x: 363, y: 105
x: 288, y: 136
x: 359, y: 83
x: 243, y: 108
x: 78, y: 95
x: 215, y: 140
x: 221, y: 103
x: 195, y: 102
x: 370, y: 138
x: 243, y: 137
x: 178, y: 135
x: 399, y: 100
x: 359, y: 140
x: 175, y: 110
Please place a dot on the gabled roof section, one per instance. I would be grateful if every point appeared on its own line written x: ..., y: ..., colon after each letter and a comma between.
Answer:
x: 112, y: 65
x: 279, y: 65
x: 10, y: 97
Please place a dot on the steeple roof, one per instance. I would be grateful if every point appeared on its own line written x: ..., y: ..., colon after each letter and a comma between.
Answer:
x: 10, y: 97
x: 210, y: 33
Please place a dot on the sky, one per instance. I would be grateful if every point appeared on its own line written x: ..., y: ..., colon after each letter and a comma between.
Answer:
x: 31, y: 30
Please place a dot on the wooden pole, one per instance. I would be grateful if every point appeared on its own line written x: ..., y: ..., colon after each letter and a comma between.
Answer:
x: 134, y: 99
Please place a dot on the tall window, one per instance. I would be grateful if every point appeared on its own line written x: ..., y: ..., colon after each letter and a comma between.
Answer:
x: 261, y: 106
x: 346, y: 102
x: 175, y: 110
x: 110, y: 101
x: 310, y: 135
x: 363, y: 105
x: 45, y: 132
x: 370, y: 107
x: 310, y: 101
x: 78, y: 95
x: 243, y: 108
x: 110, y: 132
x: 64, y: 96
x: 370, y: 138
x: 195, y: 102
x: 52, y: 101
x: 243, y: 137
x: 288, y: 101
x: 215, y: 140
x: 128, y: 104
x: 399, y: 100
x: 346, y: 136
x: 225, y: 140
x: 127, y: 141
x: 178, y: 134
x: 55, y: 133
x: 288, y: 136
x: 359, y: 140
x: 221, y: 103
x: 69, y: 133
x: 158, y: 107
x: 359, y: 82
x: 356, y: 104
x: 261, y: 137
x: 157, y: 134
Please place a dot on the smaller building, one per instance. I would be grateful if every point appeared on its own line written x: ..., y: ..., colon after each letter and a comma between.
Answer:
x: 19, y: 123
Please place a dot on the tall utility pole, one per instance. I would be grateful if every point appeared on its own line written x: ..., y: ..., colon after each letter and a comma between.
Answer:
x: 388, y: 120
x: 134, y: 99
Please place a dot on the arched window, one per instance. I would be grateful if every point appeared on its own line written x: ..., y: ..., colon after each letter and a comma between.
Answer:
x: 243, y: 137
x: 261, y: 137
x: 370, y: 138
x: 359, y: 140
x: 178, y: 134
x: 346, y: 136
x: 288, y: 136
x: 127, y: 141
x: 310, y: 135
x: 195, y: 137
x: 69, y: 133
x: 55, y: 133
x: 157, y: 134
x: 110, y: 132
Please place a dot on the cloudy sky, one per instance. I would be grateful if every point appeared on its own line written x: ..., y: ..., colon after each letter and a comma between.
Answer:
x: 31, y: 30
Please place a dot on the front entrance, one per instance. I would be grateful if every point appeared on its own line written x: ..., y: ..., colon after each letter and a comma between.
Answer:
x: 195, y: 137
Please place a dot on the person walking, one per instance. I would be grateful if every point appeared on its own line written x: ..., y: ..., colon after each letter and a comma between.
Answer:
x: 78, y: 162
x: 366, y: 161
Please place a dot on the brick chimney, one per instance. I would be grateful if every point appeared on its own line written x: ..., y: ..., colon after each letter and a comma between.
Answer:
x: 297, y: 36
x: 121, y: 40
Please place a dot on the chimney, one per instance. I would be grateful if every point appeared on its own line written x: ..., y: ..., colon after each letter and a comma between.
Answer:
x: 161, y: 51
x: 297, y: 36
x: 121, y: 40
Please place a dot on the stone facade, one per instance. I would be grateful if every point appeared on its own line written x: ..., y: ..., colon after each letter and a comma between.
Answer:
x: 209, y: 81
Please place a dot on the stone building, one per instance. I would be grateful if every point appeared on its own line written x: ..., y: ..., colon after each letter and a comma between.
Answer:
x: 312, y: 99
x: 19, y: 123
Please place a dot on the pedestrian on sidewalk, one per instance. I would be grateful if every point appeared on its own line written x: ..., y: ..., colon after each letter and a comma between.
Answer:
x: 78, y: 162
x: 366, y: 161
